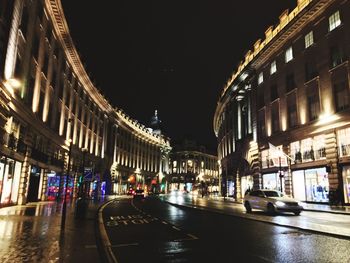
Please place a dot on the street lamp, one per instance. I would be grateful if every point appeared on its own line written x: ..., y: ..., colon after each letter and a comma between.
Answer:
x: 64, y: 208
x: 81, y: 189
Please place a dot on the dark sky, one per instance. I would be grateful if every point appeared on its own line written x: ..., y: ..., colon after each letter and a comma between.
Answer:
x: 171, y: 55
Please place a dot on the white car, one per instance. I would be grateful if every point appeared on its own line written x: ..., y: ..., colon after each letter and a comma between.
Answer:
x: 271, y: 201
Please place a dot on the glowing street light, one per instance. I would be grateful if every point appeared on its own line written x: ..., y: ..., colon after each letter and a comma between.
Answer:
x: 64, y: 207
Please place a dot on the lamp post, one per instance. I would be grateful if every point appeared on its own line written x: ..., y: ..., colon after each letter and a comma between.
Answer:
x: 81, y: 189
x: 64, y: 207
x: 280, y: 172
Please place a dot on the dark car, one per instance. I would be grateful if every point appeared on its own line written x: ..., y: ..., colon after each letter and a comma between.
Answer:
x: 139, y: 194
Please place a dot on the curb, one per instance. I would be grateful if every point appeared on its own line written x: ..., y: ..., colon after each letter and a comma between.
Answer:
x: 203, y: 208
x: 106, y: 244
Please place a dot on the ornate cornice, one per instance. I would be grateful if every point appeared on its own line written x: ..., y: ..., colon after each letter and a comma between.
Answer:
x: 55, y: 12
x: 290, y: 24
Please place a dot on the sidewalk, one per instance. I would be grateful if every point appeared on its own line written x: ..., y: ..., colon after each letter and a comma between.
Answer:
x: 32, y: 233
x: 338, y: 209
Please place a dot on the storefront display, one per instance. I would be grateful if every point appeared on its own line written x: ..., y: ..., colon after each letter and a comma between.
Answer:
x: 53, y: 186
x: 246, y: 183
x: 346, y: 180
x: 9, y: 180
x: 311, y: 185
x: 272, y: 181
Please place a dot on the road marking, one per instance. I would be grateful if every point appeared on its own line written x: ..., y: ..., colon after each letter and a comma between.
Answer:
x: 192, y: 236
x: 165, y: 223
x: 125, y: 245
x: 176, y: 228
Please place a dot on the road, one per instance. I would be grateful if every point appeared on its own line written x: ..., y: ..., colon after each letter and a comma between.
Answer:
x: 152, y: 230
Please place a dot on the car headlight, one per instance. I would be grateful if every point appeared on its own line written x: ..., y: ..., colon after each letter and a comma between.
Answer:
x: 279, y: 203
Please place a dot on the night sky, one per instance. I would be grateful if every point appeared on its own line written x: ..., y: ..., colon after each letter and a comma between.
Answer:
x: 171, y: 55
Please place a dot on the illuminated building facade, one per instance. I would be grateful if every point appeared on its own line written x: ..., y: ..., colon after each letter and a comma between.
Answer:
x: 47, y: 102
x: 192, y: 169
x: 292, y: 92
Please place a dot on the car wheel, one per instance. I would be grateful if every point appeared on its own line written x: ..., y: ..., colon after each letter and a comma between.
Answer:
x: 271, y: 209
x: 247, y: 207
x: 297, y: 213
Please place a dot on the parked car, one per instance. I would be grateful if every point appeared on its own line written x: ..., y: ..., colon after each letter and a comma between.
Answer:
x: 271, y: 201
x: 139, y: 194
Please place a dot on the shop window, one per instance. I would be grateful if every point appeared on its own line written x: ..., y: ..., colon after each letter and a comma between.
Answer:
x: 341, y: 96
x: 265, y: 159
x: 344, y: 142
x: 307, y: 150
x: 309, y: 39
x: 295, y: 152
x: 334, y: 21
x: 346, y: 180
x: 319, y: 145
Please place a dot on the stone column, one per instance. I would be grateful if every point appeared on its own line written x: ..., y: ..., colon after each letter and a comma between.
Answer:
x: 23, y: 181
x: 43, y: 196
x: 238, y: 186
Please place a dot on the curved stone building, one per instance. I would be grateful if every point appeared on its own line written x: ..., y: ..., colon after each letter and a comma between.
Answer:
x: 51, y: 114
x: 193, y: 170
x: 283, y: 119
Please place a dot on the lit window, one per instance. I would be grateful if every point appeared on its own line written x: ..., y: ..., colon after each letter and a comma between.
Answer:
x: 344, y: 142
x: 309, y: 39
x: 334, y: 21
x: 260, y: 78
x: 289, y: 54
x: 273, y: 68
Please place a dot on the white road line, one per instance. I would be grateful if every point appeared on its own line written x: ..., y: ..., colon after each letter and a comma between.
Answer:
x: 192, y: 236
x: 125, y: 245
x: 165, y: 223
x: 176, y: 228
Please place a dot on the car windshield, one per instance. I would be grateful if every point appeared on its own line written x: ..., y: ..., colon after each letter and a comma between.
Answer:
x: 272, y: 194
x: 139, y: 191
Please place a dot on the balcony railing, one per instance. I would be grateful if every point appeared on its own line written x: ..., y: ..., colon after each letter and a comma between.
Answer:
x: 39, y: 155
x: 13, y: 143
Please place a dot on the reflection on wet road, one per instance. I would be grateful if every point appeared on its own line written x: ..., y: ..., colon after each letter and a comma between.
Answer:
x: 211, y: 237
x: 32, y: 237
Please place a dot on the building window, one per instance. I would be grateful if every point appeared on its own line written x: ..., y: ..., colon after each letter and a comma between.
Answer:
x: 313, y: 105
x: 273, y: 67
x: 334, y: 21
x: 337, y: 56
x: 290, y: 83
x: 292, y: 110
x: 295, y: 152
x: 260, y: 78
x: 309, y: 39
x: 341, y: 94
x: 310, y: 70
x: 261, y: 123
x: 274, y: 92
x: 344, y: 142
x: 289, y: 54
x: 319, y: 146
x: 275, y: 117
x: 261, y: 98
